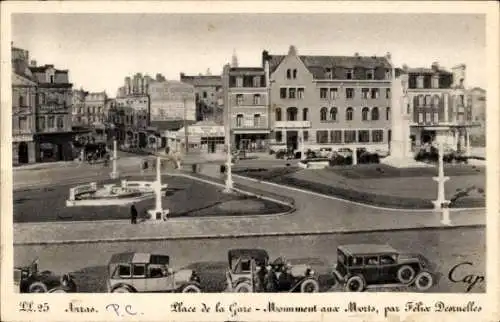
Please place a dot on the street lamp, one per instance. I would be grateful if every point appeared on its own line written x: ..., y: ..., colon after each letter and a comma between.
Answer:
x: 158, y: 213
x: 229, y: 176
x: 441, y: 204
x: 114, y: 173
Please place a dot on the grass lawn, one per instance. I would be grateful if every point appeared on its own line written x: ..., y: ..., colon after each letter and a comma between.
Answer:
x: 380, y: 184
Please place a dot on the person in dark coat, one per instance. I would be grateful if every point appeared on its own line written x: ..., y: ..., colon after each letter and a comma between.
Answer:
x: 133, y: 215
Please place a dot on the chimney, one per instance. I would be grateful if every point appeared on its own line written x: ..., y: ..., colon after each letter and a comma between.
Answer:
x: 388, y: 56
x: 292, y: 50
x: 33, y: 63
x: 405, y: 68
x: 435, y: 66
x: 356, y: 54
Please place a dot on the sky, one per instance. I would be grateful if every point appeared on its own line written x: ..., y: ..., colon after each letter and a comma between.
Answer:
x: 100, y: 50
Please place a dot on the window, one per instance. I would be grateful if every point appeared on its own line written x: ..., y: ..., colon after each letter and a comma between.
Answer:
x: 328, y: 73
x: 305, y: 114
x: 435, y: 82
x: 124, y: 271
x: 256, y: 120
x: 41, y: 98
x: 279, y: 136
x: 427, y: 100
x: 462, y: 100
x: 387, y: 259
x: 375, y: 93
x: 291, y: 93
x: 387, y: 93
x: 300, y: 93
x: 23, y: 123
x: 420, y: 117
x: 239, y: 81
x: 323, y: 92
x: 288, y: 74
x: 51, y: 78
x: 436, y: 118
x: 349, y: 74
x: 388, y: 74
x: 277, y: 113
x: 21, y: 101
x: 239, y: 120
x: 256, y: 99
x: 257, y: 81
x: 371, y: 260
x: 375, y: 114
x: 50, y: 123
x: 350, y: 136
x: 364, y: 136
x: 349, y: 93
x: 355, y: 261
x: 370, y: 74
x: 204, y: 94
x: 364, y: 93
x: 428, y: 117
x: 322, y: 114
x: 420, y: 100
x: 333, y: 114
x: 291, y: 114
x: 420, y: 81
x: 239, y: 99
x: 282, y: 92
x: 333, y: 93
x: 364, y: 113
x: 60, y: 122
x: 294, y: 74
x: 41, y: 123
x: 322, y: 136
x: 435, y: 101
x: 349, y: 114
x: 377, y: 136
x: 336, y: 136
x: 139, y: 270
x: 306, y: 136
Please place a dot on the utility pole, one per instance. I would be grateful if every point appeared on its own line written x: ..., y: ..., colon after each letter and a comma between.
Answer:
x: 186, y: 132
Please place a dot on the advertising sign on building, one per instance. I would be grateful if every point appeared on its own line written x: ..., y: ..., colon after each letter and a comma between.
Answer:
x: 172, y: 101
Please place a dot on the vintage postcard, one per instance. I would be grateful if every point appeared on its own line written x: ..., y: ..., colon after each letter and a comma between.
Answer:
x: 277, y: 149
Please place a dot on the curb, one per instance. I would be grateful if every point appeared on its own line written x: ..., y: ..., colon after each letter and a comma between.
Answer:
x: 345, y: 200
x: 248, y: 235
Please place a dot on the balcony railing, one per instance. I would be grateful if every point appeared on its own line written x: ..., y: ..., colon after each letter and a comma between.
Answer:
x: 292, y: 124
x: 250, y: 125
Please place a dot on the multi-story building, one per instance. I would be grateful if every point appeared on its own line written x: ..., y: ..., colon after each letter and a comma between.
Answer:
x: 79, y: 118
x: 437, y: 101
x: 54, y: 114
x: 23, y: 109
x: 208, y: 91
x: 95, y: 103
x: 477, y: 101
x: 246, y: 106
x: 329, y: 101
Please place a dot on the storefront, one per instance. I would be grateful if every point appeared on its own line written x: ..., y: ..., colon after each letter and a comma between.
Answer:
x: 23, y: 150
x: 203, y: 137
x: 54, y: 147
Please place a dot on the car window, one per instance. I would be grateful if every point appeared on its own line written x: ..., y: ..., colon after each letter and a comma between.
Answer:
x: 139, y: 270
x: 124, y: 270
x: 355, y: 261
x: 371, y: 260
x: 156, y: 271
x: 245, y: 265
x: 387, y: 259
x: 341, y: 257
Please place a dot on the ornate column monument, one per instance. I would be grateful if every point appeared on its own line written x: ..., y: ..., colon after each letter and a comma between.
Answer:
x: 158, y: 214
x: 441, y: 204
x: 114, y: 173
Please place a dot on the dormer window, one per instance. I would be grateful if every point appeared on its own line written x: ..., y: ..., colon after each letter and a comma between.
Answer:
x: 239, y: 81
x: 328, y: 73
x: 370, y: 74
x: 51, y: 79
x: 288, y: 74
x: 294, y: 74
x: 349, y: 74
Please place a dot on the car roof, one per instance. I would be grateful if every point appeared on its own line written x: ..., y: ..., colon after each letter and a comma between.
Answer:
x: 248, y: 252
x: 139, y: 258
x: 366, y: 249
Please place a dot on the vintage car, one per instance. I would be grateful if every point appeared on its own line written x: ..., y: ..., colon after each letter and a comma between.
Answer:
x: 27, y: 279
x: 360, y: 266
x: 132, y: 272
x: 250, y: 271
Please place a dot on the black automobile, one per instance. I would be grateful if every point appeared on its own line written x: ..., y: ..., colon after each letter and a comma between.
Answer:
x: 28, y: 279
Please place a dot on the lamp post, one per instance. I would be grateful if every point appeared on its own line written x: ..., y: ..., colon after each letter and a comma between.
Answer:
x: 229, y: 176
x: 158, y: 213
x: 441, y: 204
x: 114, y: 173
x: 302, y: 152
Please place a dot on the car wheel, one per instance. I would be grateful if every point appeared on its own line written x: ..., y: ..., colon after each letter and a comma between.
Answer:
x: 355, y: 284
x: 122, y: 289
x: 424, y: 281
x: 37, y: 287
x: 406, y: 274
x: 59, y: 290
x: 191, y: 288
x: 309, y: 286
x: 243, y: 287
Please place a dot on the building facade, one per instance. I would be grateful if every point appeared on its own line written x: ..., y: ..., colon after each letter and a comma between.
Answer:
x: 79, y: 111
x: 477, y: 101
x: 329, y: 101
x: 95, y: 105
x: 208, y: 96
x: 247, y: 107
x: 24, y: 91
x: 437, y: 103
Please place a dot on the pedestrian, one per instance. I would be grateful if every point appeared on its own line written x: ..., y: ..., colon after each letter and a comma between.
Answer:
x: 133, y: 215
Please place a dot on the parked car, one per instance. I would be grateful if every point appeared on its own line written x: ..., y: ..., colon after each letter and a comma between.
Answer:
x: 250, y: 271
x: 344, y: 152
x: 360, y: 266
x: 28, y: 279
x: 143, y: 272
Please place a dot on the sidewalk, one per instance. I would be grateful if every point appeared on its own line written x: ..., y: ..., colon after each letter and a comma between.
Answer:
x: 314, y: 215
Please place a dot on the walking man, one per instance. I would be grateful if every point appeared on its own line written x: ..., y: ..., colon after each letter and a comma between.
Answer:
x: 133, y: 215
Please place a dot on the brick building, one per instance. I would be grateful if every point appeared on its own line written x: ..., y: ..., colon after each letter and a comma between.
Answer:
x: 329, y: 101
x: 246, y: 106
